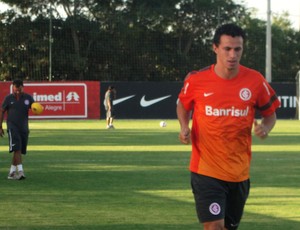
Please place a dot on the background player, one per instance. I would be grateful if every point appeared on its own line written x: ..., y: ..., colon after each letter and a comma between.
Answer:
x: 17, y: 106
x: 110, y: 95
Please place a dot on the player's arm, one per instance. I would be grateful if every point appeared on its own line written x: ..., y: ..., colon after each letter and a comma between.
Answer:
x: 1, y: 121
x: 183, y: 117
x: 109, y: 103
x: 264, y: 128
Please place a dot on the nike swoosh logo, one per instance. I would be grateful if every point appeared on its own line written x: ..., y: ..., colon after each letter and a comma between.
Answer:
x: 13, y: 145
x: 117, y: 101
x: 145, y: 103
x: 208, y: 94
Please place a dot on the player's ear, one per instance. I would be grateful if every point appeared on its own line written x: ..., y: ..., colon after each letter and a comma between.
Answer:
x: 214, y: 48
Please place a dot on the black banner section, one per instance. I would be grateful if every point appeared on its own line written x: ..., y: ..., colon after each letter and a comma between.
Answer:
x: 286, y: 92
x: 143, y: 100
x: 157, y: 100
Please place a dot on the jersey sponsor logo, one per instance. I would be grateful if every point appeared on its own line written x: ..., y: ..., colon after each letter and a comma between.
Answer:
x: 146, y: 103
x: 215, y: 209
x: 226, y: 112
x: 207, y: 94
x: 245, y: 94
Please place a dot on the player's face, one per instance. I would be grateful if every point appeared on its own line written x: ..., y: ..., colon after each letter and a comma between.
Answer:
x: 229, y: 52
x: 17, y: 90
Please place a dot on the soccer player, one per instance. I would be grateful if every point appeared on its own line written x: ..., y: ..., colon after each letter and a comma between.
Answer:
x: 110, y: 95
x: 222, y: 100
x: 17, y: 106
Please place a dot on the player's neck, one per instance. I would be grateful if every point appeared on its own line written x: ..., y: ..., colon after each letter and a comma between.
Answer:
x: 17, y: 96
x: 226, y: 73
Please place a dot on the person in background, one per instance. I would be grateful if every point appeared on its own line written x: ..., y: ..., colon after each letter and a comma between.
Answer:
x: 222, y: 100
x: 110, y: 95
x: 16, y: 105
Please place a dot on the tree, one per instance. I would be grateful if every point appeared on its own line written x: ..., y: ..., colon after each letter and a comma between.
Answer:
x: 254, y: 55
x: 77, y: 12
x: 132, y: 40
x: 23, y: 48
x: 285, y: 46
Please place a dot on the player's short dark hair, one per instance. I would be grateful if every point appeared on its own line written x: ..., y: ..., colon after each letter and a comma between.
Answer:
x: 111, y: 87
x: 18, y: 83
x: 228, y: 29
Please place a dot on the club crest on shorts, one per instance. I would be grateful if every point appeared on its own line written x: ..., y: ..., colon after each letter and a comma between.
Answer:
x: 215, y: 209
x: 245, y: 94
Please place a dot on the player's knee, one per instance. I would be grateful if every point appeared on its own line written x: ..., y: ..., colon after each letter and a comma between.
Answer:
x: 214, y: 225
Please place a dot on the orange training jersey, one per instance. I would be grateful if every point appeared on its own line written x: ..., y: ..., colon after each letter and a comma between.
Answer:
x: 223, y: 114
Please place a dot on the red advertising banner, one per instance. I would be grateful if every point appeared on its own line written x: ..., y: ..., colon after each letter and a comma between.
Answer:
x: 63, y: 100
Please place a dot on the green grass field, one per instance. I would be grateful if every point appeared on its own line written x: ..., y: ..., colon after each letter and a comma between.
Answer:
x: 82, y: 176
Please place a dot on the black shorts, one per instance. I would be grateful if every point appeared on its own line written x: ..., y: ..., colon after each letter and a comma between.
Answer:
x: 216, y: 199
x: 17, y: 140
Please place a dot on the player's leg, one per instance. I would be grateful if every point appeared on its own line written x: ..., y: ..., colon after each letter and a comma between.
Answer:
x: 14, y: 141
x: 214, y: 225
x: 17, y: 158
x: 112, y: 115
x: 111, y: 121
x: 19, y: 163
x: 210, y: 199
x: 107, y: 118
x: 236, y: 201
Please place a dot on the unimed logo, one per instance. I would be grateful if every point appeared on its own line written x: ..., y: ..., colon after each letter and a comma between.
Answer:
x: 47, y: 97
x: 60, y: 100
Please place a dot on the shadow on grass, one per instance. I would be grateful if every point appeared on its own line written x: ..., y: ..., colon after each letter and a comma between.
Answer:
x: 125, y: 190
x: 264, y: 222
x: 124, y: 137
x: 109, y: 227
x: 279, y: 139
x: 89, y: 195
x: 128, y: 137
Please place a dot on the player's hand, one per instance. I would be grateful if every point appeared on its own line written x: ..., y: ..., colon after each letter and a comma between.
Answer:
x: 185, y: 136
x: 1, y: 132
x: 260, y: 130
